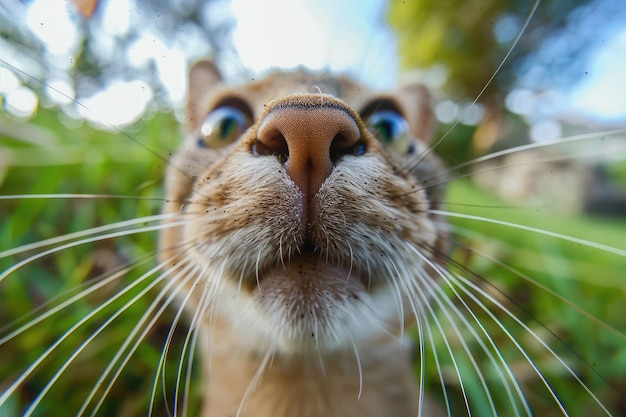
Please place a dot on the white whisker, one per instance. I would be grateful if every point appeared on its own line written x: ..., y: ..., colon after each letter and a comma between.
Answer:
x: 82, y: 346
x: 583, y: 242
x: 550, y: 291
x: 188, y: 272
x: 396, y: 283
x: 358, y: 363
x: 599, y: 136
x: 445, y: 275
x: 439, y: 300
x: 190, y: 339
x: 460, y: 280
x: 487, y: 84
x: 9, y: 391
x: 445, y: 178
x: 45, y: 253
x: 255, y: 379
x: 78, y: 196
x: 92, y: 231
x: 206, y: 297
x: 421, y: 345
x: 91, y: 289
x: 140, y: 325
x: 437, y: 365
x: 451, y: 354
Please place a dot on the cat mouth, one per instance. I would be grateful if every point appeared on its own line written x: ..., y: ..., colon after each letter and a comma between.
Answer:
x: 308, y: 284
x: 310, y: 267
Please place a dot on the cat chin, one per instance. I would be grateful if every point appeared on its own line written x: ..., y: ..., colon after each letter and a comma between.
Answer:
x: 309, y: 315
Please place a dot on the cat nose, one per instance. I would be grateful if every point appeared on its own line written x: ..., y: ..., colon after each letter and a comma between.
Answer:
x: 309, y: 134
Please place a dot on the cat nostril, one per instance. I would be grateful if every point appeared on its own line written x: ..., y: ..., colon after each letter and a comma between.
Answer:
x: 342, y: 145
x: 275, y: 145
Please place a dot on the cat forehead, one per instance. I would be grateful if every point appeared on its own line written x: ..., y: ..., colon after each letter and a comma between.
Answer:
x: 278, y: 84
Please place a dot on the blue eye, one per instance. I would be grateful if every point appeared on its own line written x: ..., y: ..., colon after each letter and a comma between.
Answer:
x: 391, y: 129
x: 222, y: 127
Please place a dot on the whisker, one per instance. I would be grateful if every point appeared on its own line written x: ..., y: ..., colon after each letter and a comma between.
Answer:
x: 35, y: 364
x: 173, y: 325
x: 521, y: 32
x: 256, y: 269
x: 255, y: 379
x: 86, y: 232
x: 45, y: 253
x: 601, y: 136
x: 426, y: 305
x: 358, y: 362
x: 445, y: 178
x: 140, y: 325
x: 430, y: 286
x: 91, y: 289
x: 437, y: 365
x: 206, y: 297
x: 351, y: 262
x: 207, y: 300
x: 193, y: 343
x: 513, y: 340
x: 572, y: 239
x: 445, y: 275
x: 396, y: 283
x: 9, y: 391
x: 546, y: 289
x: 421, y: 344
x: 463, y: 283
x: 66, y: 196
x: 438, y: 296
x: 125, y: 134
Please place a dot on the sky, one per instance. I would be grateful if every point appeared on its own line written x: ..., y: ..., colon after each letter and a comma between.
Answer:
x: 324, y: 33
x: 603, y: 93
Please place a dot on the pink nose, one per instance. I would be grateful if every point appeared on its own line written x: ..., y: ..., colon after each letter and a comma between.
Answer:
x: 309, y: 134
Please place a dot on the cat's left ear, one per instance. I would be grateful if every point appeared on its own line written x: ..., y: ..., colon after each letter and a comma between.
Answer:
x: 204, y: 77
x: 418, y: 109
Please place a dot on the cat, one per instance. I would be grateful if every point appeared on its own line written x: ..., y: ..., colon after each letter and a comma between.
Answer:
x: 466, y: 297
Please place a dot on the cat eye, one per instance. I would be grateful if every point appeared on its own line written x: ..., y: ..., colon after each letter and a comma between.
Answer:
x: 222, y: 127
x: 391, y: 129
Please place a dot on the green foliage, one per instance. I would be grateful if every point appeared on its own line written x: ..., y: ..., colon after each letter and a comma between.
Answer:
x: 458, y: 36
x: 82, y: 161
x: 449, y: 33
x: 566, y: 292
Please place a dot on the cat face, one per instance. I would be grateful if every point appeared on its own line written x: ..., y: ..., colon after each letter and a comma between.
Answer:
x: 312, y: 219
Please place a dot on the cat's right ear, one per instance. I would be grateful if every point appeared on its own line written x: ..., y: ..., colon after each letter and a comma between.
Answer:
x: 204, y: 77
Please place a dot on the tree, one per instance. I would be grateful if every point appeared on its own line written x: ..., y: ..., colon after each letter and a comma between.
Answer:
x: 467, y: 41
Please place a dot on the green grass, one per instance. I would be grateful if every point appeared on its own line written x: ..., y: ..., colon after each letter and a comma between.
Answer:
x: 85, y: 160
x: 82, y: 161
x: 589, y: 279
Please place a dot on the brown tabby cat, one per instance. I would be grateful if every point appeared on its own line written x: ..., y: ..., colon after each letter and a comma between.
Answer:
x: 306, y: 243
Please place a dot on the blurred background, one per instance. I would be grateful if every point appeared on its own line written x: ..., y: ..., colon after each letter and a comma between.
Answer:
x: 503, y: 73
x: 568, y: 67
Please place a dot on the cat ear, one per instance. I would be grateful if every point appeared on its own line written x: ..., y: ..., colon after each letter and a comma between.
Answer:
x: 418, y: 107
x: 204, y: 77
